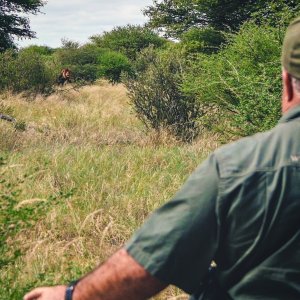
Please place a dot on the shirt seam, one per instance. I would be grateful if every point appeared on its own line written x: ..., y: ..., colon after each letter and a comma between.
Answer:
x: 266, y: 169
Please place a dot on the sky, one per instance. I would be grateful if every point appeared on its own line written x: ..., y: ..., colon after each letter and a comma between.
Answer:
x: 77, y: 20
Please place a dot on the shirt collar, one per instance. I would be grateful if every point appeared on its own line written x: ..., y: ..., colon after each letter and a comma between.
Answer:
x: 291, y: 114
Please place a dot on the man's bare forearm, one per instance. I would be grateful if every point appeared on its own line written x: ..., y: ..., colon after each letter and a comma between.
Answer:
x: 120, y: 277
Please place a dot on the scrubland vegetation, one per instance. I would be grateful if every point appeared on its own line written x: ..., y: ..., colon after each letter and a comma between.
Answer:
x: 78, y: 181
x: 225, y: 79
x: 83, y: 165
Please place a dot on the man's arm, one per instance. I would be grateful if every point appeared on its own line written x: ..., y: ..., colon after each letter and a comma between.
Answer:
x: 120, y: 277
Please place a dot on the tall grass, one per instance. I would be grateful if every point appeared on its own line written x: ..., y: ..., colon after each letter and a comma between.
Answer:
x: 87, y: 150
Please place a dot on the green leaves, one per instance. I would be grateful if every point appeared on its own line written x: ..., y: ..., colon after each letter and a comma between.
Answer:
x: 25, y: 71
x: 14, y: 23
x: 128, y: 40
x: 112, y: 64
x: 202, y: 40
x: 174, y: 17
x: 241, y: 84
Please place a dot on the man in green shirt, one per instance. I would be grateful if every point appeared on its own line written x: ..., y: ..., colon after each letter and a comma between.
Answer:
x: 240, y: 208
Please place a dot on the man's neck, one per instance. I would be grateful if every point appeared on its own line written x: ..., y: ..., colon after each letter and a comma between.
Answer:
x: 290, y: 105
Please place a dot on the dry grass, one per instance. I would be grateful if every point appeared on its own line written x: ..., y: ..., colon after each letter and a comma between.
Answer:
x: 88, y: 116
x: 88, y: 149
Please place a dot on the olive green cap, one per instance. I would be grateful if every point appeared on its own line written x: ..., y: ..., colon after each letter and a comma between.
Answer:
x: 291, y: 49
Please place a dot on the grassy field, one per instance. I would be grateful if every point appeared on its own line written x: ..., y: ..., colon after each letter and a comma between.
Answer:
x: 87, y: 159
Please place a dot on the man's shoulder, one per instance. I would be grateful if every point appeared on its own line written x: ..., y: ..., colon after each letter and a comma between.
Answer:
x: 251, y: 153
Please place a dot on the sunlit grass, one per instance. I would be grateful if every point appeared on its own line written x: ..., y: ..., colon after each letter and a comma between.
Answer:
x: 87, y: 149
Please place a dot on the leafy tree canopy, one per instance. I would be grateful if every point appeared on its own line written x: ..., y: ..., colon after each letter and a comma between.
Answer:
x: 129, y: 40
x: 69, y: 44
x: 41, y: 50
x: 14, y: 23
x: 175, y: 17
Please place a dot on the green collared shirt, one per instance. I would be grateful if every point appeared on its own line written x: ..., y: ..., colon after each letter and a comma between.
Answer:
x: 240, y: 208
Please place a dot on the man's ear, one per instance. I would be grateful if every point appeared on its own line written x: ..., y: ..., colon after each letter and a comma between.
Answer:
x: 288, y: 86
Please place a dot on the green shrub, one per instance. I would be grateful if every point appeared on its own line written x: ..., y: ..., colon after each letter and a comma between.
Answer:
x: 82, y: 61
x: 7, y: 68
x: 129, y: 40
x: 84, y: 74
x: 89, y: 62
x: 42, y: 50
x: 241, y: 83
x: 32, y: 73
x: 240, y: 86
x: 204, y: 40
x: 112, y: 64
x: 25, y: 71
x: 156, y: 96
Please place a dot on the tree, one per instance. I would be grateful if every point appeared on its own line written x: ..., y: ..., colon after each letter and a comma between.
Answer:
x: 14, y: 23
x: 129, y: 40
x: 174, y: 17
x: 69, y: 44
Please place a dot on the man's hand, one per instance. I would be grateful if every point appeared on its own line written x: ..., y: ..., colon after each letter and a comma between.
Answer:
x: 47, y: 293
x: 120, y: 277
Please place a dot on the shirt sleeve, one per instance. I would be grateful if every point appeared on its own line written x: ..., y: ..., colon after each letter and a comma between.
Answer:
x: 178, y: 242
